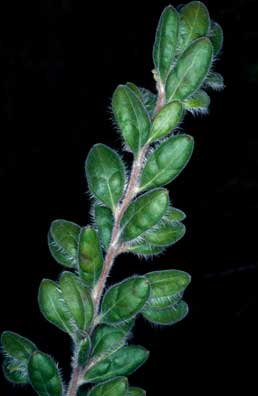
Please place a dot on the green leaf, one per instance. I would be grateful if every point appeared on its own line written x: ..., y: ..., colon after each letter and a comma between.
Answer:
x: 215, y: 81
x: 124, y: 300
x: 125, y: 326
x: 175, y: 214
x: 105, y: 221
x: 198, y: 102
x: 166, y: 234
x: 106, y: 339
x: 144, y: 248
x: 123, y: 362
x: 135, y: 89
x: 44, y: 375
x: 144, y: 213
x: 166, y: 120
x: 167, y: 287
x: 78, y: 299
x: 90, y: 256
x: 16, y: 346
x: 63, y: 242
x: 167, y: 161
x: 194, y: 23
x: 115, y: 387
x: 15, y: 371
x: 167, y: 316
x: 134, y: 391
x: 190, y: 70
x: 131, y: 117
x: 105, y: 174
x: 216, y: 37
x: 54, y: 308
x: 149, y: 100
x: 165, y: 42
x: 84, y: 349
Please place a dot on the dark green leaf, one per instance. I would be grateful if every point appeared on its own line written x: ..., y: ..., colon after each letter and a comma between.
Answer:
x: 166, y: 120
x: 78, y: 299
x: 216, y: 37
x: 166, y: 234
x: 84, y: 349
x: 131, y: 117
x: 144, y: 213
x: 194, y: 23
x: 54, y: 308
x: 124, y: 300
x: 144, y: 248
x: 167, y: 316
x: 15, y: 371
x: 135, y: 89
x: 123, y: 362
x: 198, y: 102
x: 167, y: 287
x: 165, y: 42
x: 115, y: 387
x: 134, y: 391
x: 175, y: 214
x: 44, y: 375
x: 107, y: 338
x: 105, y: 174
x: 90, y: 256
x: 149, y: 100
x: 16, y: 346
x: 63, y: 242
x: 215, y: 81
x: 190, y: 70
x: 104, y: 220
x: 167, y: 161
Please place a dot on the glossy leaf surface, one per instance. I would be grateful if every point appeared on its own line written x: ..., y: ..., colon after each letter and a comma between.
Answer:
x: 77, y: 298
x: 124, y: 300
x: 190, y: 70
x: 194, y: 23
x: 166, y: 120
x: 144, y: 213
x: 115, y: 387
x: 167, y: 161
x: 44, y: 375
x: 104, y: 220
x: 123, y: 362
x: 105, y: 175
x: 90, y: 256
x: 166, y: 234
x: 131, y: 117
x: 54, y: 308
x: 165, y: 42
x: 167, y: 287
x: 63, y: 239
x: 167, y: 316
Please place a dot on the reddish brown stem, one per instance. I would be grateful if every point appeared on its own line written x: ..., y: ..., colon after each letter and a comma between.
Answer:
x: 114, y: 247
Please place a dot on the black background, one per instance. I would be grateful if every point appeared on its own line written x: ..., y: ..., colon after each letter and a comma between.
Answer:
x: 61, y: 61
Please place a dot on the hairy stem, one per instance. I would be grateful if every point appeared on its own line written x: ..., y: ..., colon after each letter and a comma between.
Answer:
x: 112, y: 252
x: 115, y: 244
x: 161, y: 98
x: 74, y: 383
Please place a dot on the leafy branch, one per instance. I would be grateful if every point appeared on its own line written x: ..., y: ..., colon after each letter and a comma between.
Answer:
x: 130, y: 215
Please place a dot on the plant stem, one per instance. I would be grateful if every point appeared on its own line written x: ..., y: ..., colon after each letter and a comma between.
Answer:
x: 131, y: 191
x: 161, y: 98
x: 112, y: 252
x: 74, y: 383
x: 114, y: 247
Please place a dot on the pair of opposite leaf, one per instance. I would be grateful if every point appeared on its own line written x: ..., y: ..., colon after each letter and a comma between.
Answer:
x: 186, y: 43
